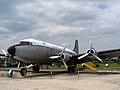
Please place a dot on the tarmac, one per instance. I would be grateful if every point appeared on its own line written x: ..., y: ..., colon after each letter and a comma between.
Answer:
x: 60, y: 81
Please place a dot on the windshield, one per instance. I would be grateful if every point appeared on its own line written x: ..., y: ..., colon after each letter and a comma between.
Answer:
x: 25, y: 43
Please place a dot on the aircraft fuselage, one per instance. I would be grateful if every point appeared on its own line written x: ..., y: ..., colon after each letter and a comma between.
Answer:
x: 33, y: 51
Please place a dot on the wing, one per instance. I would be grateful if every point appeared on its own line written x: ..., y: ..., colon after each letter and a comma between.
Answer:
x: 100, y: 54
x: 109, y: 53
x: 77, y: 61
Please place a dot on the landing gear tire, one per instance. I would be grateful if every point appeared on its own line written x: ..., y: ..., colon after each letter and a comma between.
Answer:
x: 71, y: 69
x: 23, y: 71
x: 36, y: 68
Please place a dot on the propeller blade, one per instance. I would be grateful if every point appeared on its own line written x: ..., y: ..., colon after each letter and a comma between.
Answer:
x: 64, y: 63
x: 83, y: 56
x: 54, y: 57
x: 5, y: 60
x: 18, y: 65
x: 5, y: 63
x: 90, y: 45
x: 63, y: 50
x: 4, y: 52
x: 97, y: 57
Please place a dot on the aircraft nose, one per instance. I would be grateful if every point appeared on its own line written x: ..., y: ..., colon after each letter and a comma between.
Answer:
x: 11, y: 50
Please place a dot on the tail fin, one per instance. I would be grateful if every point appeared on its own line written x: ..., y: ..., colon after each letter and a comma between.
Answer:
x: 76, y: 47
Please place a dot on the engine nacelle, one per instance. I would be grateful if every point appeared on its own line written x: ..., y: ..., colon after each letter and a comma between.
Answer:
x: 65, y: 56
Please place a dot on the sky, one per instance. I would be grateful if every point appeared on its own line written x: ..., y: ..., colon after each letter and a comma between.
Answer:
x: 60, y: 22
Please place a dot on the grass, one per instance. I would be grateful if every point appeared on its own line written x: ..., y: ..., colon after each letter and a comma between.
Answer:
x: 112, y: 66
x: 101, y: 66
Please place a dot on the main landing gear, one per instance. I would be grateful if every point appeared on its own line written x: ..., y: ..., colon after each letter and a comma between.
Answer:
x: 36, y: 68
x: 71, y: 69
x: 23, y: 70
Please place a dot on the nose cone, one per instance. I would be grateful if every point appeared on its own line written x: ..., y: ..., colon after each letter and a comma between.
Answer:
x: 11, y: 50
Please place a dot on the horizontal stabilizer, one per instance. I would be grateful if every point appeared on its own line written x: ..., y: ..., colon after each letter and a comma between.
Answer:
x: 90, y: 65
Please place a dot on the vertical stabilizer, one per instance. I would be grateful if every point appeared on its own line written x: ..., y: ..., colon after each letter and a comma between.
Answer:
x: 76, y: 47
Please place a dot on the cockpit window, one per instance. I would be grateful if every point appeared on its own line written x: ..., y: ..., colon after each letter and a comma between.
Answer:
x: 25, y: 43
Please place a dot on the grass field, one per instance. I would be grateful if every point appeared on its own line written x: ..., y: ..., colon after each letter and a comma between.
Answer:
x: 112, y: 66
x: 101, y: 66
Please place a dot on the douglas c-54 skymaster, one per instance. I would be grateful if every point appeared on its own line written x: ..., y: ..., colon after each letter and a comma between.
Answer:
x: 31, y: 51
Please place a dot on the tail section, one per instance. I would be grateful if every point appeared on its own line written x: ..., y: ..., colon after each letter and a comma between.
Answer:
x: 76, y: 47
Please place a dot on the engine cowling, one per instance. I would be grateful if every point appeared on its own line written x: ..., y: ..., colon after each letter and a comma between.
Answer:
x: 65, y: 56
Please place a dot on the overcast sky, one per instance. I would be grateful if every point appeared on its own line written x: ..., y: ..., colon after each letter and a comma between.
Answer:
x: 61, y: 21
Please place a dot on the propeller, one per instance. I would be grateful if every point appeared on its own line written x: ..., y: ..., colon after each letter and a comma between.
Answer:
x: 90, y: 52
x: 6, y: 55
x: 60, y: 56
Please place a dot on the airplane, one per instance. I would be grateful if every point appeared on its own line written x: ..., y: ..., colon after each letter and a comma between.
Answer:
x: 36, y: 52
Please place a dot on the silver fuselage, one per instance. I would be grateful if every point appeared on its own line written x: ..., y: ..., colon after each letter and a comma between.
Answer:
x: 38, y: 52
